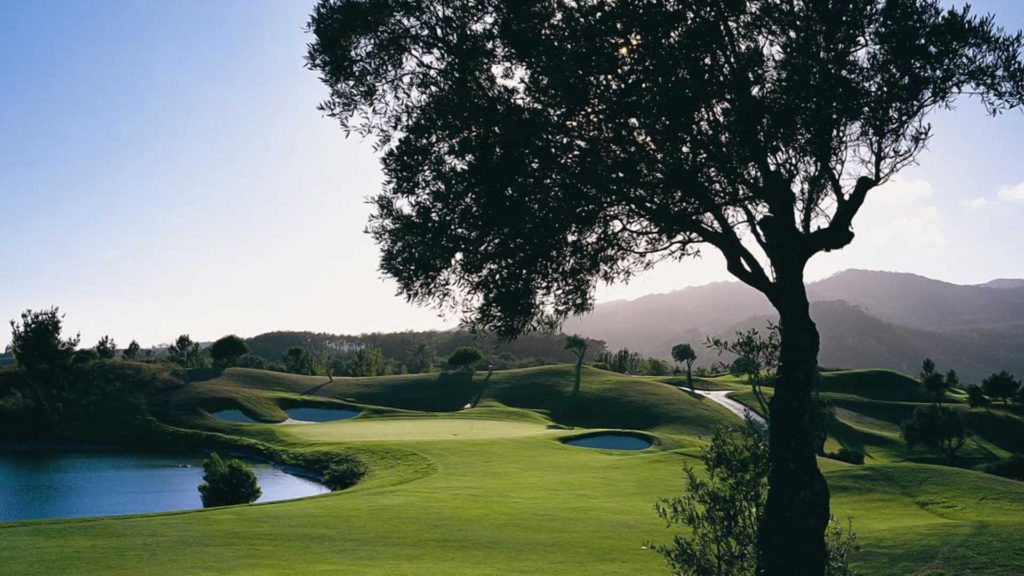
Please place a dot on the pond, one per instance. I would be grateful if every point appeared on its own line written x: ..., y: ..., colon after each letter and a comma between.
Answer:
x: 320, y: 414
x: 38, y: 484
x: 611, y: 442
x: 295, y: 415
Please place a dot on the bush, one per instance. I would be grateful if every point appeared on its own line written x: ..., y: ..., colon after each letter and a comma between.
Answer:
x: 723, y: 510
x: 847, y: 455
x: 227, y: 482
x: 343, y: 472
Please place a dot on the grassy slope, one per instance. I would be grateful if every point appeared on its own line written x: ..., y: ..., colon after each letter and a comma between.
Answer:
x: 499, y: 494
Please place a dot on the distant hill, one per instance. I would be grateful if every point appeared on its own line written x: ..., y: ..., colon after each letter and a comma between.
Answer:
x: 1004, y: 283
x: 867, y: 319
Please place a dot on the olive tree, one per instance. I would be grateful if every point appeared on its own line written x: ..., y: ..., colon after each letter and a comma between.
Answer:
x: 532, y: 149
x: 684, y: 354
x: 578, y: 346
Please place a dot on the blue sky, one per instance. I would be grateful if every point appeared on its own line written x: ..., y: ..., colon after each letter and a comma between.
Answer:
x: 163, y: 170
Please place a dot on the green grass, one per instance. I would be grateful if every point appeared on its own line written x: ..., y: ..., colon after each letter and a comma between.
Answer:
x: 492, y: 490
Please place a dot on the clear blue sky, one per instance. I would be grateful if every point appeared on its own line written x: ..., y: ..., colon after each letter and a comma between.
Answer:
x: 163, y: 170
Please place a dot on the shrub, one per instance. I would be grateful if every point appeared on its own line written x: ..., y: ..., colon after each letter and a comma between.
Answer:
x: 227, y: 482
x: 723, y: 512
x: 343, y: 472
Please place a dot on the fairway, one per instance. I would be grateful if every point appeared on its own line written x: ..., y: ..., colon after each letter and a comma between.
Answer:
x: 492, y: 490
x: 411, y: 430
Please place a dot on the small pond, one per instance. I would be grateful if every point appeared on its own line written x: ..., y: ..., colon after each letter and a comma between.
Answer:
x: 295, y: 415
x: 320, y: 414
x: 38, y: 484
x: 611, y: 441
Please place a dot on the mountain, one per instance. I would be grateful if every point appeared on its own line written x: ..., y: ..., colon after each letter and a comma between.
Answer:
x: 866, y: 319
x: 1004, y: 283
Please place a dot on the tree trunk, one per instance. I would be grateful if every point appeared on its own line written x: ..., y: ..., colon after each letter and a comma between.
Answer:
x: 792, y: 533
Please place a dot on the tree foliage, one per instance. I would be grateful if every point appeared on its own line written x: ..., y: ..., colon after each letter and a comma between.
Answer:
x: 227, y: 350
x: 131, y: 353
x: 38, y: 342
x: 1001, y: 385
x: 185, y: 353
x: 227, y: 482
x: 298, y: 360
x: 344, y: 471
x: 722, y: 512
x: 106, y: 348
x: 570, y: 142
x: 465, y: 358
x: 685, y: 354
x: 757, y: 357
x: 976, y: 397
x: 937, y: 427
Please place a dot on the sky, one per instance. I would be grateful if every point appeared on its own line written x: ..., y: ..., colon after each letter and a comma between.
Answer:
x: 164, y: 170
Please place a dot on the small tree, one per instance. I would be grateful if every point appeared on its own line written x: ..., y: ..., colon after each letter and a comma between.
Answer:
x: 722, y: 512
x: 185, y: 353
x: 106, y: 348
x: 935, y: 384
x: 368, y: 362
x: 131, y: 353
x: 976, y: 397
x: 37, y: 341
x: 578, y: 346
x: 937, y: 427
x: 684, y: 354
x: 757, y: 358
x: 298, y: 360
x: 1001, y: 385
x: 952, y: 379
x: 228, y: 350
x: 927, y: 369
x: 227, y: 482
x: 655, y: 367
x: 465, y: 358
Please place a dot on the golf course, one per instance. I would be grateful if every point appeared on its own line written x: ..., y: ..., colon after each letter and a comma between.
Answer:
x: 493, y: 488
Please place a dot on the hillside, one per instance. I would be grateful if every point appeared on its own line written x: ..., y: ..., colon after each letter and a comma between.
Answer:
x: 494, y: 489
x: 866, y: 319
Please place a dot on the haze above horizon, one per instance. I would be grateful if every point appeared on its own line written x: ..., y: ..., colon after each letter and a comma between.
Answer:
x: 165, y: 171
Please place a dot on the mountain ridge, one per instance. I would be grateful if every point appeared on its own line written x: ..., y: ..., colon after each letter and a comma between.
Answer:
x: 867, y: 318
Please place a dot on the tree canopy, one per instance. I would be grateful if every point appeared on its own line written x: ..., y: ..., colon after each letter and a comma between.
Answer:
x: 38, y: 341
x: 576, y: 142
x: 227, y: 350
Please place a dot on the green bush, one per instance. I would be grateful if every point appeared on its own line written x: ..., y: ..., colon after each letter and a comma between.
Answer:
x: 343, y: 472
x: 227, y: 482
